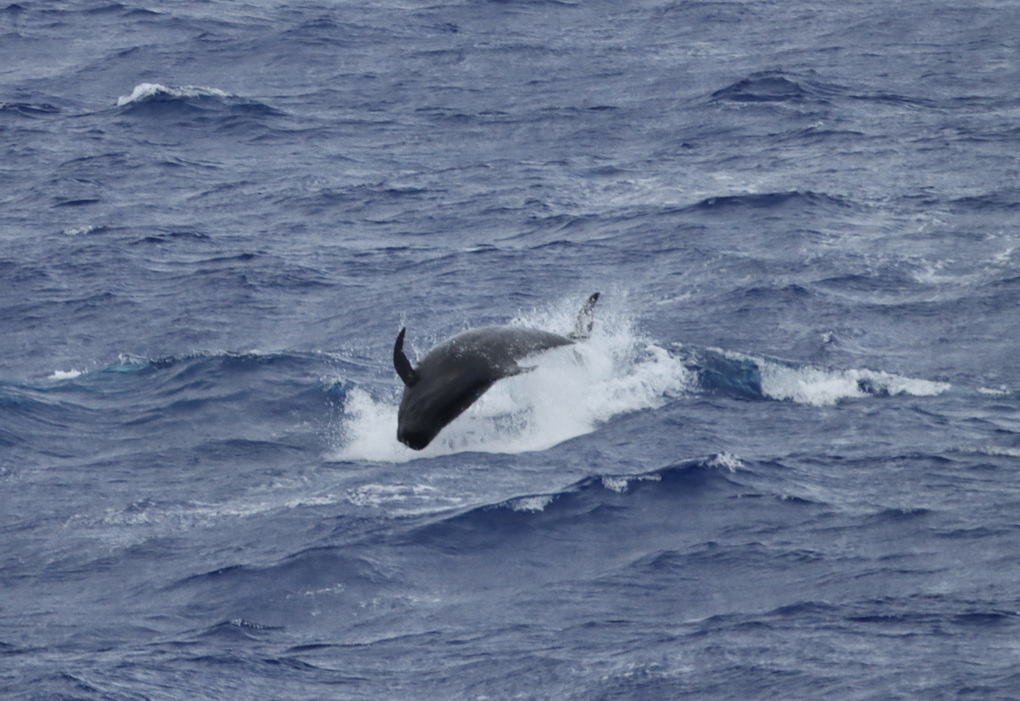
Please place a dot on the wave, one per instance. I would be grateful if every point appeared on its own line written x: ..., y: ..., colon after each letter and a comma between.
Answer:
x: 269, y: 388
x: 758, y: 377
x: 223, y: 361
x: 25, y: 109
x: 596, y: 498
x: 189, y: 100
x: 213, y: 406
x: 29, y: 419
x: 769, y: 200
x: 154, y: 92
x: 353, y: 570
x: 1005, y: 199
x: 776, y: 86
x: 277, y: 594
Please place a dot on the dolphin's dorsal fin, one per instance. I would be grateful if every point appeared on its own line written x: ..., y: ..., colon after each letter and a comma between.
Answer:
x: 402, y: 364
x: 585, y: 319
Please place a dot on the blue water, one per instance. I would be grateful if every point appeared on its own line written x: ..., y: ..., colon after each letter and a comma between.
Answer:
x: 786, y: 465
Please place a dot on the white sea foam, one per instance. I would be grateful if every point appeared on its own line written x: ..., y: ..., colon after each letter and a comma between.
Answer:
x: 621, y: 483
x: 386, y: 494
x: 994, y: 451
x: 176, y: 517
x: 616, y: 483
x: 806, y: 384
x: 570, y: 392
x: 59, y: 375
x: 727, y: 461
x: 147, y: 91
x: 1001, y: 391
x: 531, y: 504
x: 81, y: 230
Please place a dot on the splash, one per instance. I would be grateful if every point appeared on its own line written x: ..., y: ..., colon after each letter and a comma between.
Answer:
x: 571, y: 391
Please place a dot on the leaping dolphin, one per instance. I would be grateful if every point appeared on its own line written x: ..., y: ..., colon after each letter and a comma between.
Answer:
x: 454, y: 374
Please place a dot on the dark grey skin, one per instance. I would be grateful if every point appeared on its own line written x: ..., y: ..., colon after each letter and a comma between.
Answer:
x: 454, y: 374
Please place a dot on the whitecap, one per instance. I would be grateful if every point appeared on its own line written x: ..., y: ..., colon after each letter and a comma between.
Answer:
x: 81, y: 230
x: 533, y: 504
x: 621, y: 483
x: 59, y: 375
x: 820, y: 387
x: 726, y: 461
x: 1000, y: 391
x: 817, y: 386
x: 148, y: 91
x: 615, y: 483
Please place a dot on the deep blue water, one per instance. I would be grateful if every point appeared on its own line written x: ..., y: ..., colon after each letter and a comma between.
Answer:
x: 786, y: 465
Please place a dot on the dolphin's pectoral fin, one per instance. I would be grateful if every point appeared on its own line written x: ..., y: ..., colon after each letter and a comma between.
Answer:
x: 513, y: 370
x: 585, y: 319
x: 518, y: 370
x: 402, y: 364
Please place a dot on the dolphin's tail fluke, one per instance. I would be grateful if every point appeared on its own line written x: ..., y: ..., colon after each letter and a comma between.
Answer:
x: 402, y: 364
x: 585, y: 319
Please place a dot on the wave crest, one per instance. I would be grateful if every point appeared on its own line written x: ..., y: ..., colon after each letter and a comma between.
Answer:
x: 190, y: 101
x: 146, y: 92
x: 756, y: 377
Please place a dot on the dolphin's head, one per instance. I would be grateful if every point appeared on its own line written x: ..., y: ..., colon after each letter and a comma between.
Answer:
x: 417, y: 423
x: 422, y: 415
x: 416, y: 437
x: 432, y: 403
x: 446, y: 383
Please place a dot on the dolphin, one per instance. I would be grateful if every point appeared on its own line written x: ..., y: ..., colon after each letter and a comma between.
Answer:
x: 459, y: 370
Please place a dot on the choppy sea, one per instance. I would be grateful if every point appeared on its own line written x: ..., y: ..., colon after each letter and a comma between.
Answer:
x: 786, y: 465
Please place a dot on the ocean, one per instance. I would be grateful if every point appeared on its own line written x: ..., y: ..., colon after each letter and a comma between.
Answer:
x: 786, y: 465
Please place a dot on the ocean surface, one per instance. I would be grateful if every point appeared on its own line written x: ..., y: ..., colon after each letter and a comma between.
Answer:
x: 786, y: 464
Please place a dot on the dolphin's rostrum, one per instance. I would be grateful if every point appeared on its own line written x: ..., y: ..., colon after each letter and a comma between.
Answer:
x: 460, y: 369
